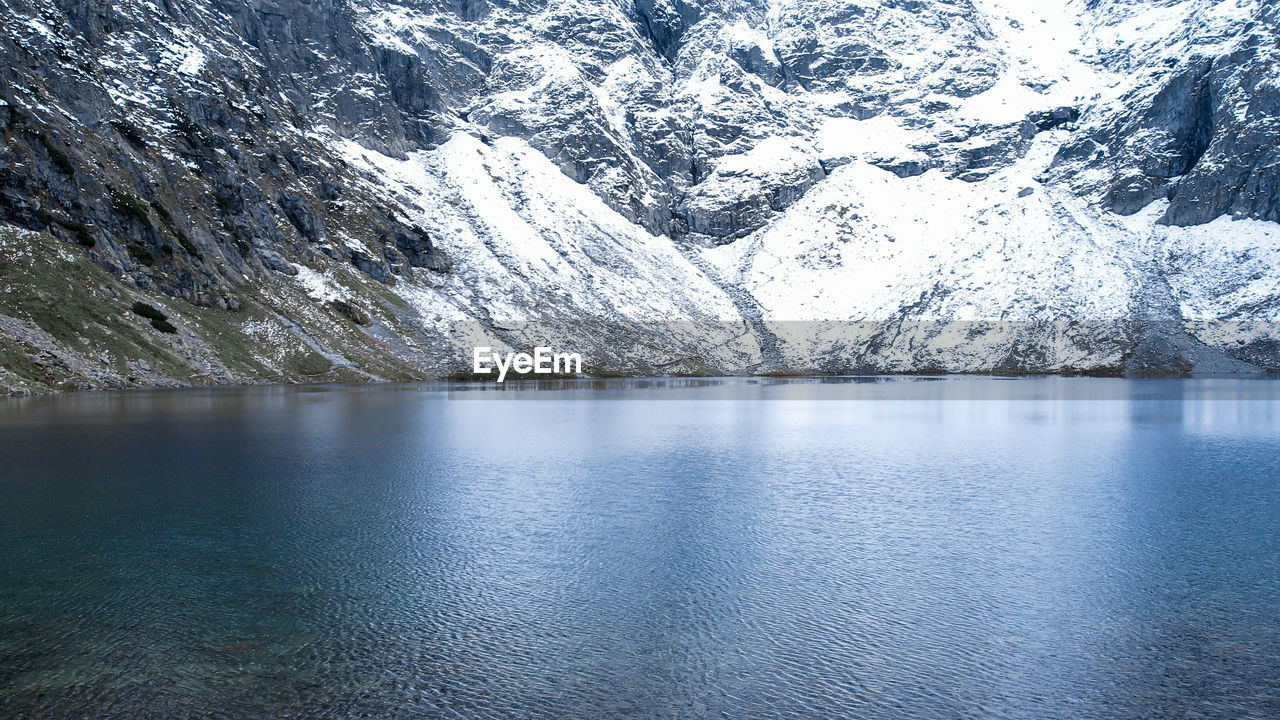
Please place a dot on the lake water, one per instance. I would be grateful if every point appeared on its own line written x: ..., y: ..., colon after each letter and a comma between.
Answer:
x: 905, y: 548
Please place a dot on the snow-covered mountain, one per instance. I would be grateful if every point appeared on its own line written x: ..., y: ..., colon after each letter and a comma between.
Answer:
x: 359, y: 189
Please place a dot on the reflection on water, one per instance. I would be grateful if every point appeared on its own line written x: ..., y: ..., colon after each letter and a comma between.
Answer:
x: 909, y: 548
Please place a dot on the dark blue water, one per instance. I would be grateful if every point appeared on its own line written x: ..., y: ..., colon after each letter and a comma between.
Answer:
x: 959, y: 548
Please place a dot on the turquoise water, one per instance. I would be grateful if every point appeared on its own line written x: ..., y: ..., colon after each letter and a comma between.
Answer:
x: 908, y: 548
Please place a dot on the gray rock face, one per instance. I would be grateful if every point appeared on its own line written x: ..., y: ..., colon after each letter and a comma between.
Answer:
x: 417, y: 248
x: 1207, y: 138
x: 1055, y: 118
x: 745, y: 197
x: 300, y: 214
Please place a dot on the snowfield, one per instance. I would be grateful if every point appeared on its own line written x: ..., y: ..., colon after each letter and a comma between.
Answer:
x: 858, y: 249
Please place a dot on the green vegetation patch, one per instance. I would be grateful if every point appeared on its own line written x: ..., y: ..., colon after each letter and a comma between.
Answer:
x: 15, y: 359
x: 309, y: 364
x: 163, y: 213
x: 79, y: 231
x: 159, y: 320
x: 141, y: 254
x: 57, y: 156
x: 76, y: 302
x: 166, y: 218
x: 187, y: 245
x: 224, y: 332
x: 129, y: 133
x: 130, y: 206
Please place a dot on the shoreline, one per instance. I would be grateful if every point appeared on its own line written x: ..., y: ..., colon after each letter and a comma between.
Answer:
x: 517, y: 384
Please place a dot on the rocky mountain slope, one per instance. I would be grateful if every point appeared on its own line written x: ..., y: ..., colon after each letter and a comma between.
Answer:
x: 219, y: 191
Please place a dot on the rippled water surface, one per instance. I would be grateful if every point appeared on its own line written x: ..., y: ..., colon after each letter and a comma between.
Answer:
x: 953, y: 548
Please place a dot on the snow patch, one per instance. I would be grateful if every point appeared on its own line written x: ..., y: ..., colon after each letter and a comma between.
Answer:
x: 319, y: 287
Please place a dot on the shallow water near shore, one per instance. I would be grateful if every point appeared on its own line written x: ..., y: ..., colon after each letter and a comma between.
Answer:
x: 801, y: 548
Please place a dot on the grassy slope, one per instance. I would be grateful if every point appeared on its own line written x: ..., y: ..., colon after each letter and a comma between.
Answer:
x: 66, y: 323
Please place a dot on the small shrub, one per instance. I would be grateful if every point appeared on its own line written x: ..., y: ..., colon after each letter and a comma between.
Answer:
x: 130, y: 133
x: 59, y: 158
x: 312, y: 363
x: 17, y: 119
x: 192, y: 132
x: 147, y: 311
x: 162, y: 212
x: 129, y: 206
x: 223, y: 203
x: 187, y: 245
x: 141, y: 254
x: 80, y: 231
x: 167, y: 218
x: 158, y: 320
